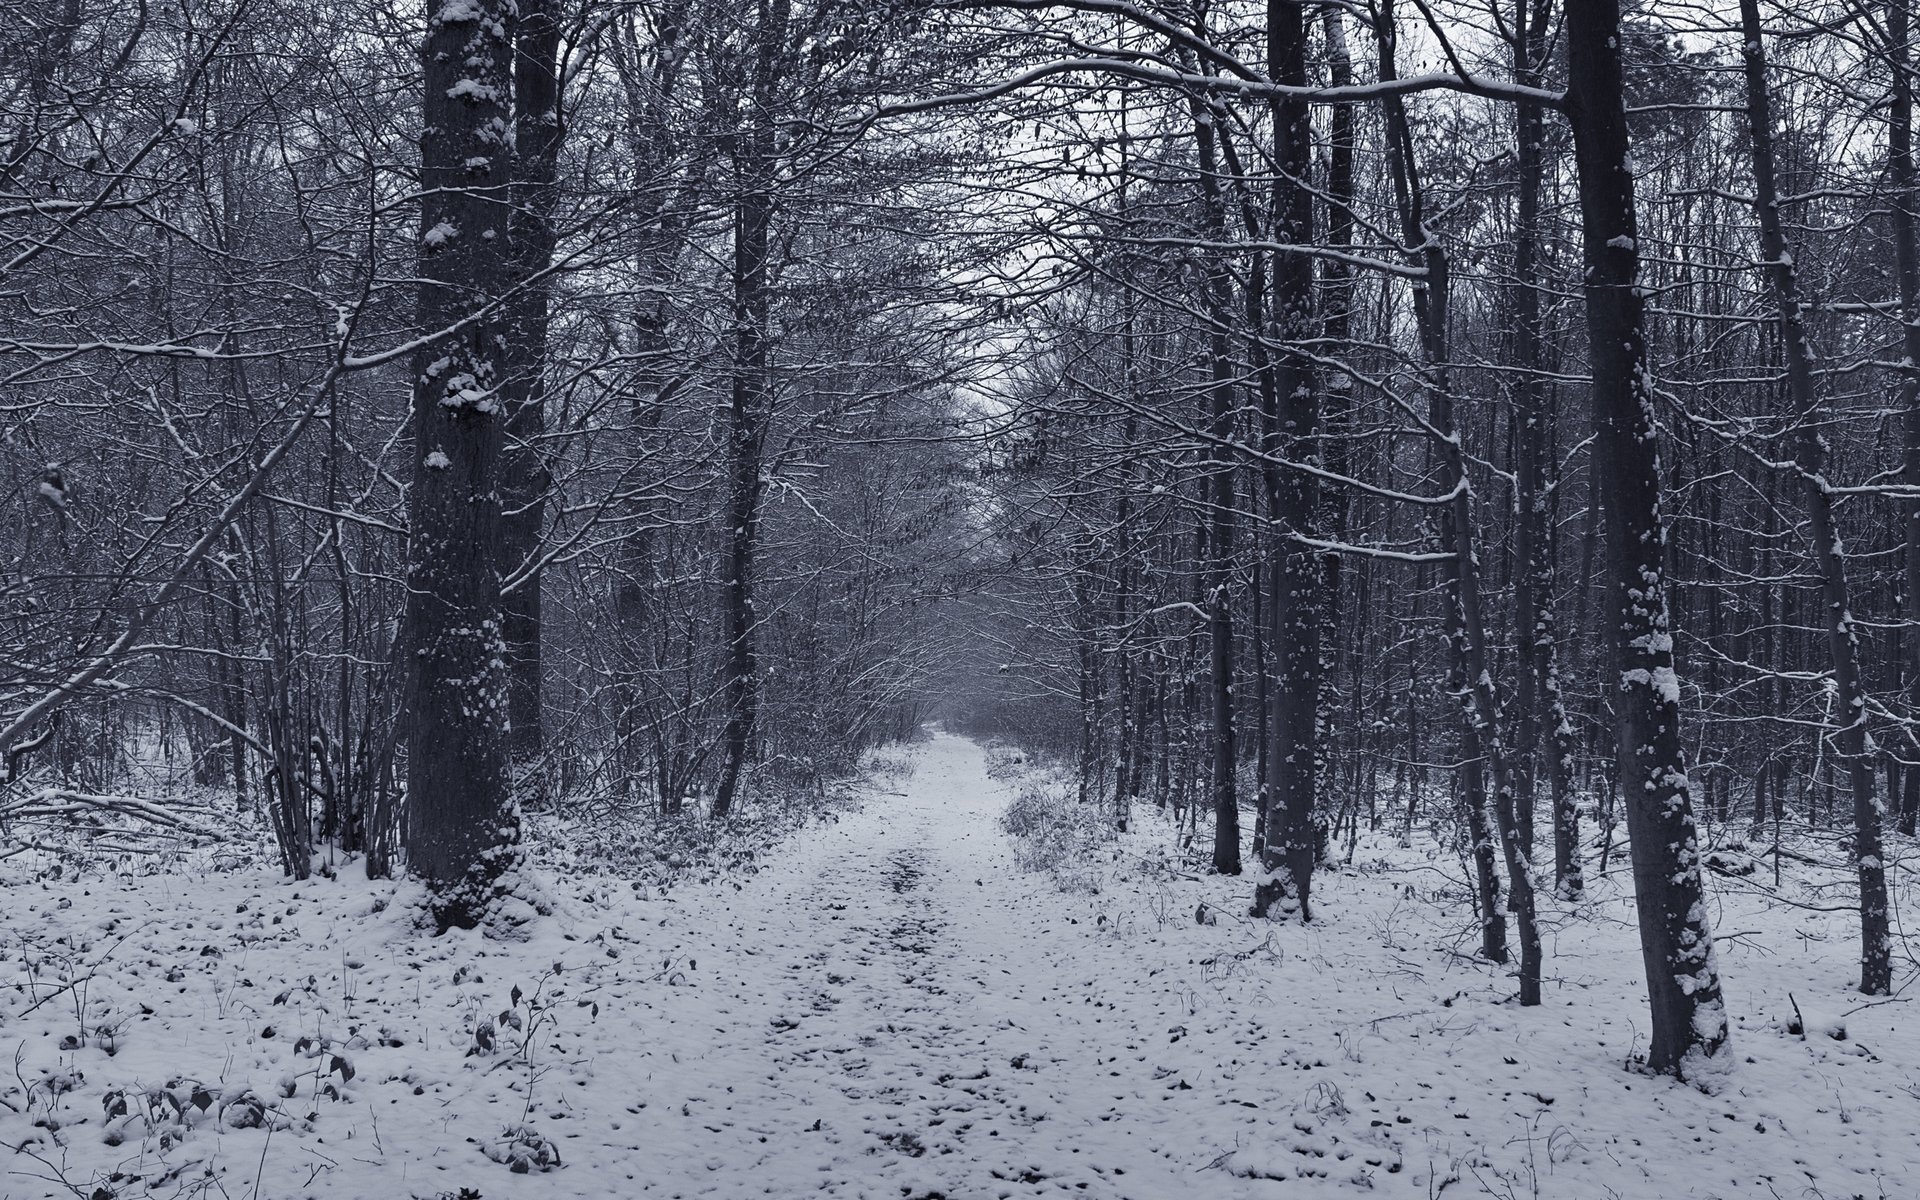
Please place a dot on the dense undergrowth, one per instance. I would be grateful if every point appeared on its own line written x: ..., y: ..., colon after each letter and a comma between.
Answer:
x: 200, y: 830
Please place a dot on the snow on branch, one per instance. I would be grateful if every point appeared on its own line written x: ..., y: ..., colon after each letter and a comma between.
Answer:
x: 54, y: 802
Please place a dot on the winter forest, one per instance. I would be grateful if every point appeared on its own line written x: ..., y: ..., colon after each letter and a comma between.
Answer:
x: 942, y: 599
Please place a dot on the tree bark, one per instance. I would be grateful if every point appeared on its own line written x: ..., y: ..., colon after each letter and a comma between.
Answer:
x: 1218, y: 594
x: 525, y: 477
x: 1689, y: 1026
x: 1337, y: 619
x: 1906, y: 243
x: 463, y: 828
x: 1543, y: 732
x: 750, y: 398
x: 1292, y: 421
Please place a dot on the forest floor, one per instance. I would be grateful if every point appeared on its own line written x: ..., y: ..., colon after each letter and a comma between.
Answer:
x: 890, y: 1007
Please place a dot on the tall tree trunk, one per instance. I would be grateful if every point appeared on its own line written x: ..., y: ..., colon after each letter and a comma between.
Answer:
x: 463, y: 829
x: 1810, y: 461
x: 525, y: 477
x: 1482, y: 751
x: 1769, y: 639
x: 1130, y: 758
x: 233, y: 685
x: 1906, y: 243
x: 751, y: 397
x: 1086, y: 633
x: 1218, y: 598
x: 1337, y: 419
x: 1543, y: 731
x: 1689, y: 1026
x: 1292, y: 420
x: 1126, y: 753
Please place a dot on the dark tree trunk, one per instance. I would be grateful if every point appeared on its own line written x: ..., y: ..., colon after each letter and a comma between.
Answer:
x: 462, y: 825
x: 1127, y: 752
x: 1218, y: 597
x: 1337, y: 417
x: 1262, y: 699
x: 525, y: 477
x: 750, y: 399
x: 1770, y: 784
x: 1689, y: 1027
x: 1292, y: 423
x: 1906, y: 242
x: 1543, y: 732
x: 1087, y: 676
x: 233, y: 690
x: 1483, y: 752
x: 1810, y: 462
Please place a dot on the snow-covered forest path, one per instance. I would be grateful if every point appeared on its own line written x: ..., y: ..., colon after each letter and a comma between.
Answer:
x: 917, y: 1035
x: 887, y: 1007
x: 896, y: 1011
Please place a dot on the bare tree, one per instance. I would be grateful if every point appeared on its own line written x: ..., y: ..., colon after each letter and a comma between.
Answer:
x: 1810, y: 465
x: 1683, y: 979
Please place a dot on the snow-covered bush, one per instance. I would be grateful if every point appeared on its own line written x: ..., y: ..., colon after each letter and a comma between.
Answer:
x: 522, y: 1149
x: 1053, y: 832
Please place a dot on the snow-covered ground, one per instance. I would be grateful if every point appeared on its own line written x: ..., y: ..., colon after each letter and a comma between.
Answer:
x: 891, y: 1009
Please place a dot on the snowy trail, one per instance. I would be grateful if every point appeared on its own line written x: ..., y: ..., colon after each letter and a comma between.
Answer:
x: 917, y: 1038
x: 897, y: 1011
x: 888, y: 1008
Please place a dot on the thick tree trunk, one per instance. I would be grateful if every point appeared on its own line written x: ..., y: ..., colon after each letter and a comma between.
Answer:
x: 462, y: 825
x: 1810, y: 461
x: 1689, y: 1026
x: 1292, y: 421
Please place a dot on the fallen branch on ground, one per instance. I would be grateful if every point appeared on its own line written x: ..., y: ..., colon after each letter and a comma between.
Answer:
x: 65, y: 802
